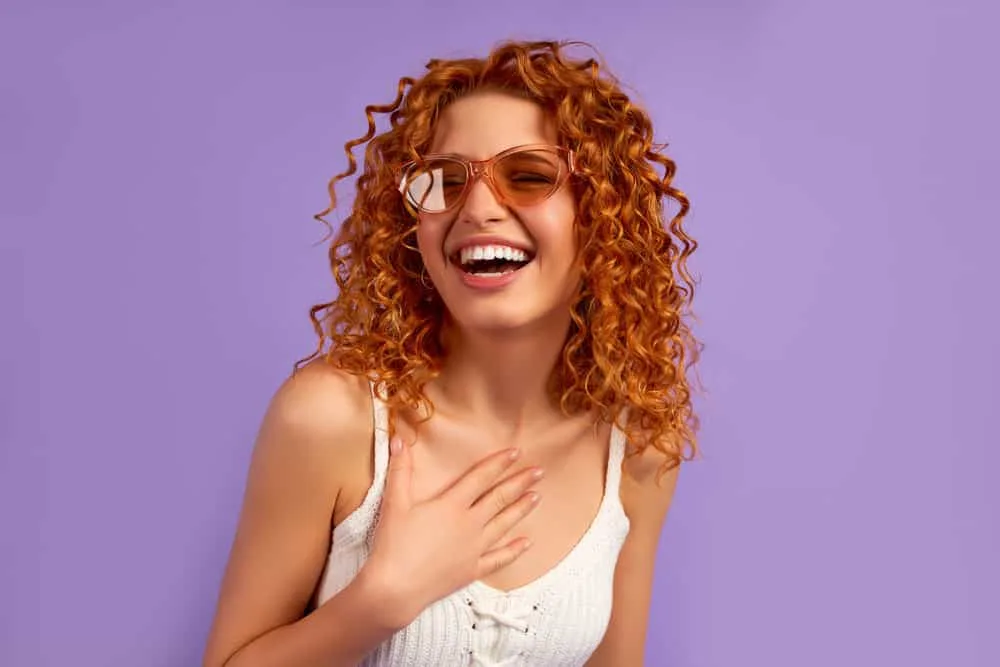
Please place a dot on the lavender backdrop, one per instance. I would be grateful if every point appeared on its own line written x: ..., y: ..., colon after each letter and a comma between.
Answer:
x: 159, y: 163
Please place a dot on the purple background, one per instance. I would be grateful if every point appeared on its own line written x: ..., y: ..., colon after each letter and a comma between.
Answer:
x: 158, y: 171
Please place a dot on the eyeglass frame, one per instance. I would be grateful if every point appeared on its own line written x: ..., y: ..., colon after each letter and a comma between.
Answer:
x: 483, y: 169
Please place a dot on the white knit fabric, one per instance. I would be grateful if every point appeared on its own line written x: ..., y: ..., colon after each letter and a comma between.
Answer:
x: 556, y: 620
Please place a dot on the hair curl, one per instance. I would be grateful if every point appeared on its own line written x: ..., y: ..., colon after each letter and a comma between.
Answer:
x: 628, y: 348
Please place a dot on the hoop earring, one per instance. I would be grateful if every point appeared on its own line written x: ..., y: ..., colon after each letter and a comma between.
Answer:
x: 423, y: 279
x: 411, y: 232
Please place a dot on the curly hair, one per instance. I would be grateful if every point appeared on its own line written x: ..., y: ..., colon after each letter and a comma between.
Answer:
x: 628, y: 349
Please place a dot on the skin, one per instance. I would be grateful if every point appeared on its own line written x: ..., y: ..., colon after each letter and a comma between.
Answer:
x: 312, y: 463
x: 313, y: 449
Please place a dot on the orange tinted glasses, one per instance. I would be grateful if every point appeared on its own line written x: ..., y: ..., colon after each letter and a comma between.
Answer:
x: 519, y: 176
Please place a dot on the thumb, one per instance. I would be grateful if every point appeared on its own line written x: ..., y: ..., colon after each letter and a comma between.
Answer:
x: 400, y: 470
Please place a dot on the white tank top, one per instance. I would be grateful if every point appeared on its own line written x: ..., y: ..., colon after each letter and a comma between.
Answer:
x: 556, y: 620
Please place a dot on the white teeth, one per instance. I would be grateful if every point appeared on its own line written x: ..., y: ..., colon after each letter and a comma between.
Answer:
x: 488, y: 252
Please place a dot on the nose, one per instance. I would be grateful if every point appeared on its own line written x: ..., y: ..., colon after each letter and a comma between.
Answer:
x: 482, y: 203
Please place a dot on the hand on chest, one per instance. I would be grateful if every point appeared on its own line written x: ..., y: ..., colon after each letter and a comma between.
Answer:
x: 574, y: 461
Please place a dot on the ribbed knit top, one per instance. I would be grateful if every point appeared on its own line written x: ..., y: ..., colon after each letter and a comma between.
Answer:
x: 554, y: 621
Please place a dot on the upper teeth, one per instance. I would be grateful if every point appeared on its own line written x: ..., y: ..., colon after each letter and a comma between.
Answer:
x: 481, y: 252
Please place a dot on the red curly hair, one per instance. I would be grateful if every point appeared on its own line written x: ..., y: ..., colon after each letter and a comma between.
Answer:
x: 628, y: 344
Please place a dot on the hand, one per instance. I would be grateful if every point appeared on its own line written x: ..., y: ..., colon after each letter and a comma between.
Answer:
x: 422, y: 552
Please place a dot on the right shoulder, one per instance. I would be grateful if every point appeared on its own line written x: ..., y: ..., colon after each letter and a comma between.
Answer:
x: 313, y: 441
x: 320, y: 399
x: 319, y: 419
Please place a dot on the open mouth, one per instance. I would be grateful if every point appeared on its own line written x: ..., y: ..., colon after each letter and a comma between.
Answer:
x: 488, y: 261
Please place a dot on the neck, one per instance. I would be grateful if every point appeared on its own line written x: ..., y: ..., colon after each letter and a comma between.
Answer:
x: 501, y: 379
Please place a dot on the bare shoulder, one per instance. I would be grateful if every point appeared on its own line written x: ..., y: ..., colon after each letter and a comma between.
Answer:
x: 320, y: 399
x: 646, y: 496
x: 317, y: 428
x: 646, y: 490
x: 315, y: 436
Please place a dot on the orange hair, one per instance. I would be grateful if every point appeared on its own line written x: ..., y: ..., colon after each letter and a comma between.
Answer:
x: 628, y: 344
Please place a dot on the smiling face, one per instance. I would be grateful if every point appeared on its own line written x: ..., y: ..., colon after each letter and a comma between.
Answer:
x: 475, y: 252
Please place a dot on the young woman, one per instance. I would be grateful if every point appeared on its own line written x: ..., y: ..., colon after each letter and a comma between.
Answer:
x: 493, y: 422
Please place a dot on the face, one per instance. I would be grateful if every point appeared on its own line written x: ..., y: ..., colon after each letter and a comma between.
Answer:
x: 508, y: 293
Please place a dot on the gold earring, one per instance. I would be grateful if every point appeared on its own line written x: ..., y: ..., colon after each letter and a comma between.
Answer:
x: 423, y: 279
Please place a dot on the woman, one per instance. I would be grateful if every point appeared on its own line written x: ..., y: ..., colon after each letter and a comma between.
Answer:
x: 494, y: 419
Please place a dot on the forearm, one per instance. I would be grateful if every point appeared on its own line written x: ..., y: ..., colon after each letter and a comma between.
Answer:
x: 338, y: 634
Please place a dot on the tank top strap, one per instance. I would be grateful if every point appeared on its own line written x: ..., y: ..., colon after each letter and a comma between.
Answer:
x: 361, y: 522
x: 616, y: 454
x: 380, y: 419
x: 613, y: 478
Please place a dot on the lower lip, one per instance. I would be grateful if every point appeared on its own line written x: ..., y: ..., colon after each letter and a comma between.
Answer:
x: 481, y: 282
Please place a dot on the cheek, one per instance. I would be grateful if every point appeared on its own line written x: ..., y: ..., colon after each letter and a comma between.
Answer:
x: 429, y: 243
x: 557, y: 232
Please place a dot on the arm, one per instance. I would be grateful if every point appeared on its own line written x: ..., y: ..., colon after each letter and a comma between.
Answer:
x: 646, y: 503
x: 316, y: 431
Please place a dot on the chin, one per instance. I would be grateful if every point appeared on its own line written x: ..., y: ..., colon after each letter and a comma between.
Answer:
x: 494, y: 320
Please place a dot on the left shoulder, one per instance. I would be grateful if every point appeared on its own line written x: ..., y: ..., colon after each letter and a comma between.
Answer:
x: 646, y: 488
x: 646, y: 493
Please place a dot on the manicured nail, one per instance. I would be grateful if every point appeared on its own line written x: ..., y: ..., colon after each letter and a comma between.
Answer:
x: 514, y: 453
x: 396, y: 446
x: 537, y: 473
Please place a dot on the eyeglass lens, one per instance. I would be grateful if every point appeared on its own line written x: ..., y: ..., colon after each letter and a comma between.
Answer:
x: 522, y: 178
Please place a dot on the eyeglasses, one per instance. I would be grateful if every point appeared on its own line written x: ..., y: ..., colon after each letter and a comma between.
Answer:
x: 519, y: 176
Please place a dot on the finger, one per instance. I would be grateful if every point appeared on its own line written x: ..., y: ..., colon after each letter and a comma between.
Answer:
x: 506, y: 492
x: 500, y: 525
x: 398, y: 474
x: 491, y: 561
x: 478, y: 479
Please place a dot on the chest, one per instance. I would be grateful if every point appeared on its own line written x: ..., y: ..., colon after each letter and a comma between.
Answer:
x: 554, y: 603
x: 572, y: 489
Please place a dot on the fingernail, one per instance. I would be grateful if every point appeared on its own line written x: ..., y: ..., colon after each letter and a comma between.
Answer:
x: 396, y: 446
x: 537, y: 473
x: 514, y: 453
x: 533, y: 498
